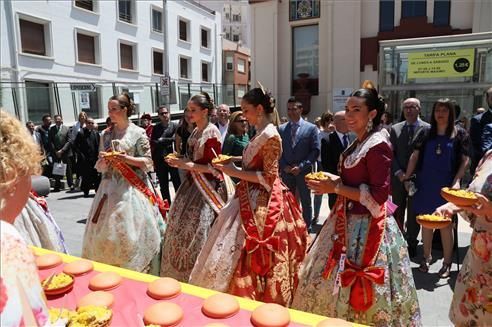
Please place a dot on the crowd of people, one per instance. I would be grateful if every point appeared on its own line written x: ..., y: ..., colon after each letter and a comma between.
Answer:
x: 242, y: 225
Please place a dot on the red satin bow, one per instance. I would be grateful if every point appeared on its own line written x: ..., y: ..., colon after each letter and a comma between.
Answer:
x: 361, y: 280
x: 259, y: 250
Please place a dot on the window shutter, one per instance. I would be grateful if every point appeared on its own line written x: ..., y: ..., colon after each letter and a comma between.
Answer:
x: 32, y: 37
x: 126, y: 56
x: 85, y: 47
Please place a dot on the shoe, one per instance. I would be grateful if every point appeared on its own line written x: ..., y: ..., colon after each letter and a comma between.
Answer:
x: 424, y: 265
x: 445, y: 270
x: 86, y: 195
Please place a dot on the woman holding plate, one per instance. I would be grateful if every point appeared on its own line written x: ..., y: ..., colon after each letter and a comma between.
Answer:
x: 358, y: 268
x: 472, y: 299
x: 125, y: 223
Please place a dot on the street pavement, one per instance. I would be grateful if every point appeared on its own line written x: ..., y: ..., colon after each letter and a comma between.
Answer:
x: 71, y: 209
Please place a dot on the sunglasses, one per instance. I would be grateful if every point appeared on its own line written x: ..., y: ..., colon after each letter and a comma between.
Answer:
x: 163, y: 113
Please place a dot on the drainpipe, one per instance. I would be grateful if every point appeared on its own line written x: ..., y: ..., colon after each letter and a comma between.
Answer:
x: 9, y: 14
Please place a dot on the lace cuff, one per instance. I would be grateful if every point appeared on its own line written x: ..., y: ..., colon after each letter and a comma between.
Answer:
x: 263, y: 182
x: 368, y: 201
x: 101, y: 166
x: 149, y: 165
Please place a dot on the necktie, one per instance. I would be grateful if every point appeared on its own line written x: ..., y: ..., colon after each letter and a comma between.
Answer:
x: 345, y: 141
x: 411, y: 132
x: 293, y: 133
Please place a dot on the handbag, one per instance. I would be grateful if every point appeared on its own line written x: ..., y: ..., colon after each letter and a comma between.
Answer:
x: 59, y: 168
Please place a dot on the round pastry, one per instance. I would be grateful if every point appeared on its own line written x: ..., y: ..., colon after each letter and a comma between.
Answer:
x: 98, y: 298
x: 163, y: 314
x: 220, y: 306
x: 48, y: 261
x: 105, y: 281
x: 318, y: 176
x: 270, y: 315
x: 79, y: 267
x: 333, y: 322
x: 459, y: 197
x: 164, y: 288
x: 216, y: 324
x: 433, y: 221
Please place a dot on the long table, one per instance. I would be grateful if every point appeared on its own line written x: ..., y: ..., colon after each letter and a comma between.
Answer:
x: 131, y: 298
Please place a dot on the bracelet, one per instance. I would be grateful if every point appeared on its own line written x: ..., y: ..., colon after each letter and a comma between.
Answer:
x: 337, y: 187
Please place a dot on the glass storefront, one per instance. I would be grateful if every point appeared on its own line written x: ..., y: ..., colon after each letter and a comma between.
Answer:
x: 458, y: 67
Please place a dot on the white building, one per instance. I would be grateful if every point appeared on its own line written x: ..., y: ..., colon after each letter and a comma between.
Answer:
x: 236, y: 19
x: 322, y: 49
x: 67, y: 56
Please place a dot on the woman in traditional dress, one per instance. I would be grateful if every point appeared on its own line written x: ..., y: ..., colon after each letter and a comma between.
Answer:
x: 22, y: 299
x: 259, y: 240
x: 38, y: 227
x: 199, y: 198
x: 472, y: 299
x: 358, y: 268
x: 124, y: 227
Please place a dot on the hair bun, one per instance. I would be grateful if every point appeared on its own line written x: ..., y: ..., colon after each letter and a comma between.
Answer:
x: 210, y: 102
x: 270, y: 102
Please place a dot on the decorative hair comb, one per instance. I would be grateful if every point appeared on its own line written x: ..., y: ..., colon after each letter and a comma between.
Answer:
x: 261, y: 87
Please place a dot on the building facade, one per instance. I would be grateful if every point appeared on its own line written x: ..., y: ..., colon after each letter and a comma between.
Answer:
x: 235, y: 19
x: 236, y: 70
x: 62, y: 57
x: 320, y: 50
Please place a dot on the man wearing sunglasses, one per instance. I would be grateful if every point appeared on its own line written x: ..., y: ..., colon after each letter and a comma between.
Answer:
x: 163, y: 137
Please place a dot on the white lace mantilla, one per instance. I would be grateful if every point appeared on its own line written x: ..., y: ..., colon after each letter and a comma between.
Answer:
x: 362, y: 148
x: 257, y: 143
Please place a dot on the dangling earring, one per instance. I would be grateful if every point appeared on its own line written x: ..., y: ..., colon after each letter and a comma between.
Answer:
x: 369, y: 126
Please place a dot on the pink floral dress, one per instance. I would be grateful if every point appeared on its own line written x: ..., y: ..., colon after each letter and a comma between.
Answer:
x: 22, y: 301
x: 472, y: 300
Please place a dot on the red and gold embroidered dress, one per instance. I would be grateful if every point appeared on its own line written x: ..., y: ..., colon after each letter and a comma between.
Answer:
x: 259, y: 239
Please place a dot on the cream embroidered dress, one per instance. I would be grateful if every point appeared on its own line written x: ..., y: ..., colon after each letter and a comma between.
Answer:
x: 258, y: 242
x: 123, y: 228
x: 38, y: 227
x: 472, y: 300
x: 192, y: 212
x: 376, y: 283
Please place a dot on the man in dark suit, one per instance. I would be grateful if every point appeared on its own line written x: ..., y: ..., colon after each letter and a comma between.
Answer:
x: 61, y: 150
x: 402, y: 136
x: 163, y: 137
x: 477, y: 125
x: 86, y: 145
x: 333, y: 146
x: 300, y: 146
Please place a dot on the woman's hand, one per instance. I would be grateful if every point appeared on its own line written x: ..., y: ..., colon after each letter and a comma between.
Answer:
x: 447, y: 210
x: 324, y: 186
x: 180, y: 163
x: 228, y: 169
x: 483, y: 208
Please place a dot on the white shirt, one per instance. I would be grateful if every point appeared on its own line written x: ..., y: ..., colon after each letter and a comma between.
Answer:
x: 223, y: 131
x: 76, y: 129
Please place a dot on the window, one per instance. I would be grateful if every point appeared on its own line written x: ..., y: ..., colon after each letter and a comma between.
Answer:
x: 184, y: 67
x: 157, y: 59
x: 205, y: 72
x: 38, y: 97
x: 205, y: 36
x: 228, y: 36
x: 413, y: 8
x: 241, y: 65
x: 386, y: 15
x: 303, y: 9
x: 33, y: 37
x: 236, y: 18
x: 183, y: 30
x: 85, y: 4
x: 156, y: 21
x: 235, y: 37
x: 86, y: 48
x: 442, y: 10
x: 126, y: 9
x: 127, y: 56
x: 227, y: 15
x: 305, y: 59
x: 229, y: 63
